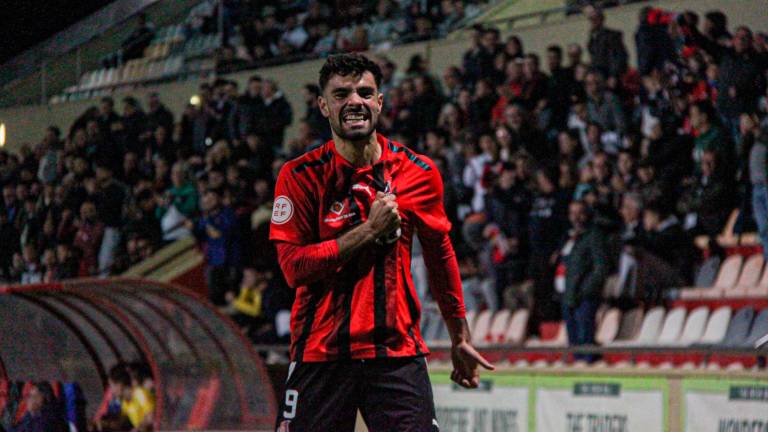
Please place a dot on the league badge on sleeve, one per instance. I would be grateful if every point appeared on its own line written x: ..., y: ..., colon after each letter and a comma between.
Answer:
x: 282, y: 210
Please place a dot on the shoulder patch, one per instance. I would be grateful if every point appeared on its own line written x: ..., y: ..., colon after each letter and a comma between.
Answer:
x: 325, y: 158
x: 282, y: 210
x: 410, y: 155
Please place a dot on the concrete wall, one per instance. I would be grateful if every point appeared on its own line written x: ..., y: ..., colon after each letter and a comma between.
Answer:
x: 26, y: 124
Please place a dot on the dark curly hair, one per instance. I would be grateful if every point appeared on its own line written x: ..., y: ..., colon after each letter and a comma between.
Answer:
x: 346, y: 64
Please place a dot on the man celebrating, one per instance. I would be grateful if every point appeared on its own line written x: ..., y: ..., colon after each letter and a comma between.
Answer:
x: 343, y: 220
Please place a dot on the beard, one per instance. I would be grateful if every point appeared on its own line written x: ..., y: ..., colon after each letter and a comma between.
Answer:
x: 358, y: 134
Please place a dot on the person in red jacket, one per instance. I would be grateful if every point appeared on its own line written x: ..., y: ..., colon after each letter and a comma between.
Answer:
x: 343, y: 220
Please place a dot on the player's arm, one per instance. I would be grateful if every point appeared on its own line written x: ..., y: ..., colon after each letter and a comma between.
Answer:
x: 306, y: 264
x: 445, y: 281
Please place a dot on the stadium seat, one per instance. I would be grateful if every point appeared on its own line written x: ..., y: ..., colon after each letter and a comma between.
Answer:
x: 758, y: 330
x: 470, y: 317
x: 430, y: 325
x: 521, y: 363
x: 560, y: 340
x: 672, y: 328
x: 761, y: 290
x: 738, y: 328
x: 707, y: 272
x: 608, y: 327
x: 750, y: 274
x: 749, y: 278
x: 630, y: 324
x: 481, y: 327
x: 518, y: 327
x: 499, y: 326
x: 649, y: 330
x: 717, y: 326
x: 726, y: 279
x: 694, y: 326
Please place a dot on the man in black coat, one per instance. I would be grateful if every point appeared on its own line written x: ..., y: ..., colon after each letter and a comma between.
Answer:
x: 278, y: 114
x: 248, y: 115
x: 606, y: 46
x: 158, y: 115
x: 585, y: 258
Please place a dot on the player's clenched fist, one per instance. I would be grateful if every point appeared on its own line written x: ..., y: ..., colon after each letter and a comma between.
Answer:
x: 383, y: 218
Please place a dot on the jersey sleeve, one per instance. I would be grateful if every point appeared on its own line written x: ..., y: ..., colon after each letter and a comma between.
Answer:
x: 292, y: 210
x: 428, y: 204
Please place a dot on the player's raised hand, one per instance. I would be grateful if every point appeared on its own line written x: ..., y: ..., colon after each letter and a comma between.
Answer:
x: 383, y: 217
x: 466, y: 361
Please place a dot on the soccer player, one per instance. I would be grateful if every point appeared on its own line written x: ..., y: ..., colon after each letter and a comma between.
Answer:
x: 343, y: 220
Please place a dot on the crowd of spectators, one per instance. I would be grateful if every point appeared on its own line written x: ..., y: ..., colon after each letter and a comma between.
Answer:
x: 554, y: 176
x: 271, y: 32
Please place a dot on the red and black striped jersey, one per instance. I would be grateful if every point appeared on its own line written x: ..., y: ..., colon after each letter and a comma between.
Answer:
x: 368, y: 307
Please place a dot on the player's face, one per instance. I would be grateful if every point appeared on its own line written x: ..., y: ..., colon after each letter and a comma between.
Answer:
x: 352, y: 104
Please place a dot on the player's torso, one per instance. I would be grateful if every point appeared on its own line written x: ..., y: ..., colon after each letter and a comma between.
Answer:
x: 376, y: 279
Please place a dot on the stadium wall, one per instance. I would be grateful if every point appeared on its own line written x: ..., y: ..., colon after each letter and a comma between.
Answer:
x: 26, y: 124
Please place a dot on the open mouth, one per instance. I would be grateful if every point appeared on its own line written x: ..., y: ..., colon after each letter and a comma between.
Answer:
x: 355, y: 118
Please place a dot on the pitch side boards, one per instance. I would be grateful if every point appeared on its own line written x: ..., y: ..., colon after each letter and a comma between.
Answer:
x: 516, y: 402
x: 711, y: 405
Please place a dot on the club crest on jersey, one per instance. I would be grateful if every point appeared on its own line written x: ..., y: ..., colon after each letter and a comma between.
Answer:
x: 337, y: 208
x: 282, y: 210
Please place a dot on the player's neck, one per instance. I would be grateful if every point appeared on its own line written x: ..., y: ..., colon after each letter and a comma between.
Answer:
x: 359, y: 153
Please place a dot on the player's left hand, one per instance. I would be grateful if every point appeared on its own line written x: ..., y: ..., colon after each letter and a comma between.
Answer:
x: 465, y: 360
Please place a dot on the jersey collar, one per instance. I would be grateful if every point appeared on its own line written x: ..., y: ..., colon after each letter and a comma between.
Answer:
x: 384, y: 157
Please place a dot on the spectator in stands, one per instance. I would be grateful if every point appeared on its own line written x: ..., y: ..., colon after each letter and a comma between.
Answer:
x: 559, y: 86
x: 31, y: 270
x: 50, y: 149
x: 248, y: 115
x: 654, y: 45
x: 110, y: 197
x: 135, y: 44
x: 741, y: 78
x: 708, y: 202
x: 9, y: 238
x: 606, y: 47
x: 107, y: 117
x: 709, y: 136
x: 227, y: 60
x: 217, y: 227
x: 582, y: 269
x: 278, y: 114
x: 134, y: 124
x: 314, y: 118
x: 603, y: 107
x: 157, y: 115
x: 755, y: 150
x: 88, y: 239
x: 666, y: 252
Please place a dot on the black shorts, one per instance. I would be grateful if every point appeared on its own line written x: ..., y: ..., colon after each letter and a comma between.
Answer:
x: 392, y: 394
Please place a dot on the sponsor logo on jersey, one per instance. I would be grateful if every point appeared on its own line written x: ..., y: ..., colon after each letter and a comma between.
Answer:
x: 337, y: 207
x: 363, y: 187
x: 282, y: 210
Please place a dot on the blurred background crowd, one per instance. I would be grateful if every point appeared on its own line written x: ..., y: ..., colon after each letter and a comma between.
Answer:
x: 557, y: 171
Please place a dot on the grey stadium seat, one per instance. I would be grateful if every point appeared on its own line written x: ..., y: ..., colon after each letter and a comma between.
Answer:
x: 738, y: 329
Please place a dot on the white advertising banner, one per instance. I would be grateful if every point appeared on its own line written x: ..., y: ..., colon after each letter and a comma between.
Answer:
x: 600, y: 405
x: 718, y: 406
x: 498, y: 405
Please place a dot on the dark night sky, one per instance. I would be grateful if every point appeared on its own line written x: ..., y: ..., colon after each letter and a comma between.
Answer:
x: 24, y: 23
